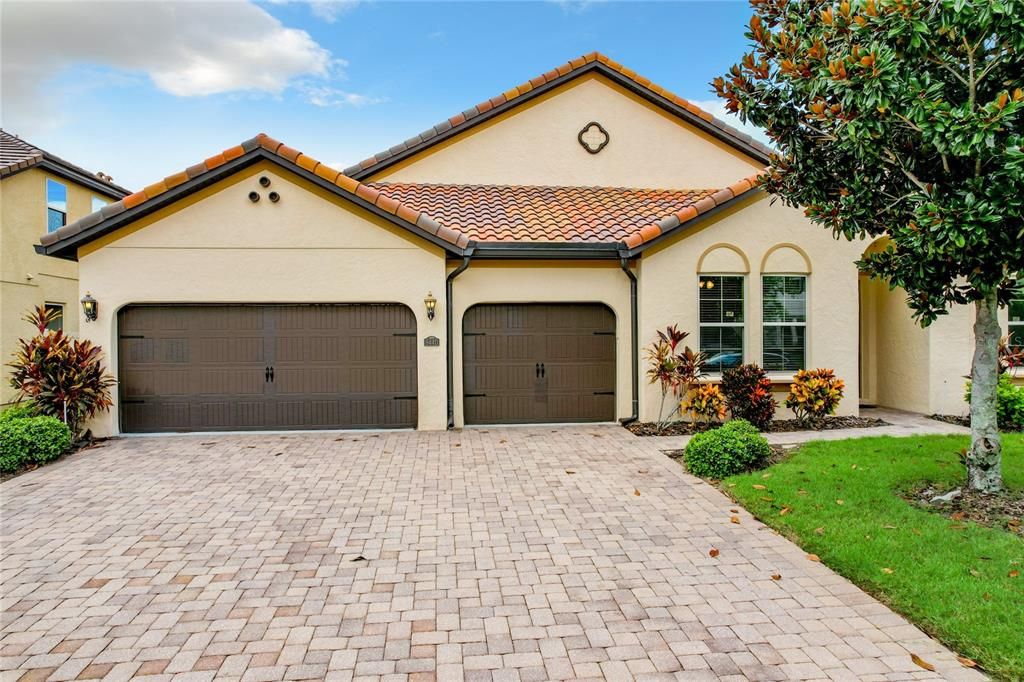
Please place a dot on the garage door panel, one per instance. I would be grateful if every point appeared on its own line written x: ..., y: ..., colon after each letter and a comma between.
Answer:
x: 504, y: 345
x: 198, y: 367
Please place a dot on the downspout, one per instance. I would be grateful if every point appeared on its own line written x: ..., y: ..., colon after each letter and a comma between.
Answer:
x: 450, y: 320
x: 634, y: 339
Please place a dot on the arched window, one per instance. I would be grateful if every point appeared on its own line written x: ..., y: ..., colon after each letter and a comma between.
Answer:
x: 721, y: 287
x: 785, y: 271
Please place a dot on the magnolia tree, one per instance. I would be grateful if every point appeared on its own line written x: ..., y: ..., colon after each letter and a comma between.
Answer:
x: 903, y: 118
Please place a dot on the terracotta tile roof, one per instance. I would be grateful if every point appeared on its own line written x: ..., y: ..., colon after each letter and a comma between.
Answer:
x: 516, y: 213
x: 457, y: 214
x: 577, y: 66
x: 346, y: 184
x: 16, y: 155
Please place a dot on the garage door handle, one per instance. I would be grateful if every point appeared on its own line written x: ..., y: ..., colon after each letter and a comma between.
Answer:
x: 266, y: 373
x: 271, y: 375
x: 542, y: 370
x: 537, y: 370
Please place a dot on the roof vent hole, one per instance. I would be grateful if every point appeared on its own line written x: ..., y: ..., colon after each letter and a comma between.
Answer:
x: 264, y: 181
x: 274, y: 197
x: 254, y: 197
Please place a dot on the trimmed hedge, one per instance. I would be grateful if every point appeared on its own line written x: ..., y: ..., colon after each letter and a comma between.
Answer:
x: 18, y: 411
x: 733, y: 448
x: 31, y: 440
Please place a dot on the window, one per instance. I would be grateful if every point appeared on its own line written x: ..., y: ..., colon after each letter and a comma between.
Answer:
x: 785, y: 322
x: 56, y: 205
x: 1016, y: 326
x: 98, y: 203
x: 721, y: 320
x: 57, y: 310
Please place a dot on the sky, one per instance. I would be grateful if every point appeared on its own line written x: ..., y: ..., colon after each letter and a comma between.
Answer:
x: 142, y: 89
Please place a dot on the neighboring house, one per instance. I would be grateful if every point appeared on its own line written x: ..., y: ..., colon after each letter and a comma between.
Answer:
x: 39, y: 192
x: 505, y: 266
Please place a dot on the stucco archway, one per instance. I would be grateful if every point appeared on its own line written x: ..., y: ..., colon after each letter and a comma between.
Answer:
x: 893, y: 359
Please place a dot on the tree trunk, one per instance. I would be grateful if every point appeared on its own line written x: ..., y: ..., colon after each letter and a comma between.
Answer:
x: 984, y: 461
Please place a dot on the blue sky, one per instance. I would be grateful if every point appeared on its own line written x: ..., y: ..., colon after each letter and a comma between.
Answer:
x: 141, y: 90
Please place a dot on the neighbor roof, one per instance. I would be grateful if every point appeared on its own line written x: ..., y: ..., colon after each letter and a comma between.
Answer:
x: 593, y: 62
x: 17, y: 155
x: 452, y: 216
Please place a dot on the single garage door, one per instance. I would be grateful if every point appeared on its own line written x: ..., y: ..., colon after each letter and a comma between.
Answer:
x: 251, y: 367
x: 532, y: 363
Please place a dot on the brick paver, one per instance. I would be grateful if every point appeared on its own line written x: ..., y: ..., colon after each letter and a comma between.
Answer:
x: 490, y: 554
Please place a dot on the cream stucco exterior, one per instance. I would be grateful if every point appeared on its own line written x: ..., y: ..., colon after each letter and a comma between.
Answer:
x: 215, y: 246
x: 311, y: 247
x: 27, y: 279
x: 537, y: 145
x: 752, y: 239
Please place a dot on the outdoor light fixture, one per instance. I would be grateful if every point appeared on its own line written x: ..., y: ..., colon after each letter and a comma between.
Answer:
x: 431, y: 304
x: 89, y: 307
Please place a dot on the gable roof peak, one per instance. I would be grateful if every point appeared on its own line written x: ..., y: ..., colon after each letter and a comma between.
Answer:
x: 561, y: 74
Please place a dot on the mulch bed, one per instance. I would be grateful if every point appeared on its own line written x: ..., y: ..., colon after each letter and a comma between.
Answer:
x: 954, y: 419
x: 1004, y: 510
x: 778, y: 426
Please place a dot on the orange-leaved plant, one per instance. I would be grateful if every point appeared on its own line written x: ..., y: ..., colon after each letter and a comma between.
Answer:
x: 673, y: 368
x: 706, y: 404
x: 814, y: 394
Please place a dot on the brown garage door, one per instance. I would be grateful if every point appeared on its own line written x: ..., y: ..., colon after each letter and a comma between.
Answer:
x: 533, y: 363
x: 250, y: 367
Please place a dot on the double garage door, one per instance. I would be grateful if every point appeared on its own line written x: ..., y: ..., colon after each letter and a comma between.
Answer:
x: 250, y: 367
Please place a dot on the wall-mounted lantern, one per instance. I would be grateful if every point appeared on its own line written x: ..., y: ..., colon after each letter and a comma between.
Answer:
x: 89, y: 307
x: 431, y: 304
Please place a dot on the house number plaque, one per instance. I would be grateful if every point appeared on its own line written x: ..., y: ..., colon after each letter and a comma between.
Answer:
x: 431, y: 341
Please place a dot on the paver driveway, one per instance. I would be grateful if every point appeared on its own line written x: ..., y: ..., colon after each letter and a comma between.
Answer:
x: 533, y: 554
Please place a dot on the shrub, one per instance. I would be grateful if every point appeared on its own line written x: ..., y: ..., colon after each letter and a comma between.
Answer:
x: 1009, y: 404
x: 32, y: 440
x: 814, y: 394
x: 706, y: 404
x: 64, y: 377
x: 673, y: 369
x: 730, y: 449
x: 748, y: 395
x: 18, y: 411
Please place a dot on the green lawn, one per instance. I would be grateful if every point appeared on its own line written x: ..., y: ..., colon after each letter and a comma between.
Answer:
x: 952, y: 578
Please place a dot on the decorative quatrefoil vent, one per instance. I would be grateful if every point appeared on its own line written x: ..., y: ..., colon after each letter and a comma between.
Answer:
x: 593, y: 137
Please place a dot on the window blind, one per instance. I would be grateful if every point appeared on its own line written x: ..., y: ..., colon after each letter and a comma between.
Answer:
x: 720, y: 301
x: 784, y: 310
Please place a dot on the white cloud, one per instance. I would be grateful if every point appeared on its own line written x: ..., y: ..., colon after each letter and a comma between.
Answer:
x: 327, y: 96
x: 576, y: 6
x: 328, y: 10
x: 716, y: 107
x: 187, y: 49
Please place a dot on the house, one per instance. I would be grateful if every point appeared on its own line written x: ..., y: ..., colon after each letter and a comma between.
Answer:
x: 504, y: 266
x: 39, y: 192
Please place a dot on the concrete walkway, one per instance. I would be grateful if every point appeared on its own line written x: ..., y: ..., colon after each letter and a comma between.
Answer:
x: 900, y: 424
x: 489, y: 554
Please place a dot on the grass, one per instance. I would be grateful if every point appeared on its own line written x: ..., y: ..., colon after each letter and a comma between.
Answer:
x: 953, y: 579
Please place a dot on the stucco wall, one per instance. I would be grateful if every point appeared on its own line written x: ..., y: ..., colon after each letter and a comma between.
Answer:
x: 27, y: 279
x: 547, y: 282
x: 218, y: 247
x: 536, y: 144
x: 760, y: 234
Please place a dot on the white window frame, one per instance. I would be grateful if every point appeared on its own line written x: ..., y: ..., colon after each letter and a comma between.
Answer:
x: 1015, y: 327
x: 701, y: 325
x: 807, y: 314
